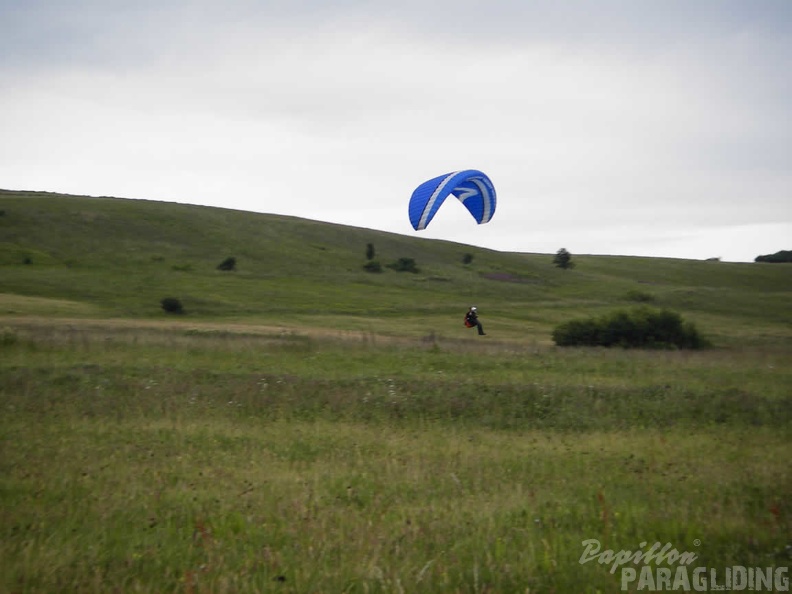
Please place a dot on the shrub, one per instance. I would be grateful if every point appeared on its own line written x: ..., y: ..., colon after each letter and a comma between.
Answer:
x: 369, y: 251
x: 404, y: 265
x: 467, y: 259
x: 640, y: 296
x: 373, y: 266
x: 172, y: 305
x: 227, y: 264
x: 8, y: 337
x: 577, y: 332
x: 642, y: 327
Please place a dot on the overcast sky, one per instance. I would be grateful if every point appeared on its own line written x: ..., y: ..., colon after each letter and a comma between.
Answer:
x: 628, y: 127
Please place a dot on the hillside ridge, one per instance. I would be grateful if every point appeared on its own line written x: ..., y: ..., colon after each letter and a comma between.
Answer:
x: 64, y: 254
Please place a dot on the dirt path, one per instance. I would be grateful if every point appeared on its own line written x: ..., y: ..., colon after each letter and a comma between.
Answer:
x: 365, y: 337
x: 192, y: 325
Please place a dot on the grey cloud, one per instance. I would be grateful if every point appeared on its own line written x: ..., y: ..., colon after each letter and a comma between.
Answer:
x: 640, y: 120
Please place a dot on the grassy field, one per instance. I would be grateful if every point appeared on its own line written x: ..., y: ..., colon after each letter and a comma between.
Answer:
x: 311, y: 427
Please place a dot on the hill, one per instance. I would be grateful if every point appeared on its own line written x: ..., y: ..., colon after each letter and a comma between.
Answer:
x: 100, y: 257
x: 308, y: 426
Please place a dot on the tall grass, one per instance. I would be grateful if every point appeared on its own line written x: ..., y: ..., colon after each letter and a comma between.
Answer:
x: 201, y: 460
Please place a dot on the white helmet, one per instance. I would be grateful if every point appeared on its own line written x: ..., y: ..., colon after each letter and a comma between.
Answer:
x: 473, y: 308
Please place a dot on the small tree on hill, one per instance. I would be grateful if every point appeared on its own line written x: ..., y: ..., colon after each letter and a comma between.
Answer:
x: 369, y: 251
x: 563, y: 259
x: 467, y: 259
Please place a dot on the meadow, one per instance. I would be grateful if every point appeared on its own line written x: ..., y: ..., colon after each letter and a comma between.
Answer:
x: 310, y: 427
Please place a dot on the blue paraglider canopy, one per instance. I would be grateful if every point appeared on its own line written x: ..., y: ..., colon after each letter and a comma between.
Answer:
x: 470, y: 186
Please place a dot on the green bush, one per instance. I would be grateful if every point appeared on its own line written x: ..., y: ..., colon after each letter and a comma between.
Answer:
x: 404, y: 265
x: 640, y: 296
x: 373, y: 266
x: 641, y: 327
x: 228, y: 264
x: 172, y: 305
x: 8, y: 337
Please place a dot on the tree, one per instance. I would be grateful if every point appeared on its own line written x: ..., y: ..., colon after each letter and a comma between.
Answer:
x: 777, y: 258
x: 563, y: 259
x: 369, y: 251
x: 467, y: 259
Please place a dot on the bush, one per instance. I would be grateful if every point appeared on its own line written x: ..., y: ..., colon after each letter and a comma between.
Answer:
x: 227, y: 264
x: 404, y: 265
x: 172, y: 305
x: 642, y: 327
x: 373, y: 266
x: 467, y: 259
x: 640, y: 296
x: 8, y: 337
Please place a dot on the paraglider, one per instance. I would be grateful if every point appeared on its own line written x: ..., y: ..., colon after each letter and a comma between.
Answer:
x: 470, y: 186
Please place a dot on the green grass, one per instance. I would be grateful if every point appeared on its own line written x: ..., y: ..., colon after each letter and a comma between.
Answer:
x: 118, y: 258
x: 207, y: 460
x: 310, y: 427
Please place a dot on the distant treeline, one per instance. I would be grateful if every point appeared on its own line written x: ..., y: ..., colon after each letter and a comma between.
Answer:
x: 778, y: 257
